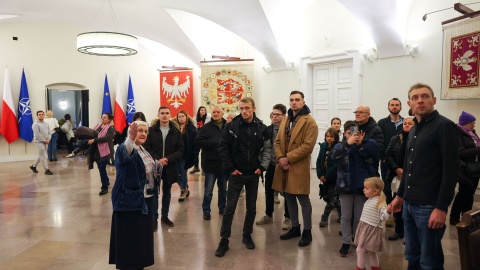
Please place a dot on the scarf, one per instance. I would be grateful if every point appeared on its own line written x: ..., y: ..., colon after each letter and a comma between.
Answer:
x: 471, y: 134
x: 103, y: 148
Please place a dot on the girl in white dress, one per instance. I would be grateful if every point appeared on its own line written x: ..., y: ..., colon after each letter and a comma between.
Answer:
x: 369, y: 236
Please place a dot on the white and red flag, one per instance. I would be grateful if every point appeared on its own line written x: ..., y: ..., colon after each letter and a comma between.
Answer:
x: 8, y: 123
x: 119, y: 119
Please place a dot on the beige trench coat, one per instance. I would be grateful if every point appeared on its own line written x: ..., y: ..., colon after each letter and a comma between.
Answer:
x: 302, y: 142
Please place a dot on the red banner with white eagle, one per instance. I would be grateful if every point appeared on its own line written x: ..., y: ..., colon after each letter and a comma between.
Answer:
x: 176, y: 91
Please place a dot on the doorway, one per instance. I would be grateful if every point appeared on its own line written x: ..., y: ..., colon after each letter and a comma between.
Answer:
x: 70, y: 99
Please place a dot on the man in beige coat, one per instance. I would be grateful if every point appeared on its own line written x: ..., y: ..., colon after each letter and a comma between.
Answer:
x: 293, y: 146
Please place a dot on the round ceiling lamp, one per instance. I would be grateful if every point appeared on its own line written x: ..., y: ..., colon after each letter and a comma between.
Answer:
x: 107, y: 44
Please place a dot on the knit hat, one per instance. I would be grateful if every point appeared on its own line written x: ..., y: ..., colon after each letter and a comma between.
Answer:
x: 466, y: 118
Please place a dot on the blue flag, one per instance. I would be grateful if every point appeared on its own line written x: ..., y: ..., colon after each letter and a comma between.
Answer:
x: 131, y: 110
x: 25, y: 120
x: 107, y: 104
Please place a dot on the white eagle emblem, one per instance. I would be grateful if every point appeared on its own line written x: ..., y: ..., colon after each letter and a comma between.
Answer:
x: 176, y: 93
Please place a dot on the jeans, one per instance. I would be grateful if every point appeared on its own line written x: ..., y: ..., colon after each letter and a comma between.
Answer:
x: 269, y: 192
x: 388, y: 184
x: 235, y: 185
x: 102, y: 169
x: 208, y: 193
x: 42, y: 151
x: 182, y: 179
x: 423, y: 247
x: 351, y: 205
x: 463, y: 201
x: 304, y: 201
x: 52, y: 147
x: 166, y: 197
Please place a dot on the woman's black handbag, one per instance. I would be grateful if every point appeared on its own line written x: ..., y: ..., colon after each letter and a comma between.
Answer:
x: 472, y: 169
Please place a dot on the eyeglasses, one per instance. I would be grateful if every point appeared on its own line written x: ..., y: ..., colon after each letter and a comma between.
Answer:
x: 359, y: 112
x: 276, y: 114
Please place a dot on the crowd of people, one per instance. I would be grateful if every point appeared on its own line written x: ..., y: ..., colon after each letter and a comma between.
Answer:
x: 399, y: 172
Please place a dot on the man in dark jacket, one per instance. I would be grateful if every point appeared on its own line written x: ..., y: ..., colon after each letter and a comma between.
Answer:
x: 165, y: 144
x: 245, y: 151
x: 208, y: 139
x: 369, y: 126
x: 391, y: 126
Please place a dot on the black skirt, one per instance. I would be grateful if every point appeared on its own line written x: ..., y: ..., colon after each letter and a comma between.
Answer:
x: 131, y: 238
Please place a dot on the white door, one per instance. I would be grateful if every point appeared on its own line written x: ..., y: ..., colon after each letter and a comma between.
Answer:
x: 333, y: 96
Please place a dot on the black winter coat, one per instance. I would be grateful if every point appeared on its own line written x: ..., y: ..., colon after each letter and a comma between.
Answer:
x: 373, y: 132
x: 190, y: 149
x: 173, y: 148
x: 467, y: 152
x: 208, y: 139
x: 393, y: 155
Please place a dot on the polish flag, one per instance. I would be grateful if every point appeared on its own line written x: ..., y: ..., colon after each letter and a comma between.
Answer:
x: 8, y: 124
x: 119, y: 119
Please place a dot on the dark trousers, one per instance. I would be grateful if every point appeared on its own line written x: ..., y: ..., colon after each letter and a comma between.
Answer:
x: 270, y: 193
x: 388, y: 184
x: 463, y: 201
x: 166, y: 198
x: 235, y: 185
x: 102, y: 169
x: 399, y: 226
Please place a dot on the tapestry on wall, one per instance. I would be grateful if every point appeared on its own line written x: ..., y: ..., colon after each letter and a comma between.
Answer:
x: 226, y: 85
x: 460, y: 60
x: 176, y: 91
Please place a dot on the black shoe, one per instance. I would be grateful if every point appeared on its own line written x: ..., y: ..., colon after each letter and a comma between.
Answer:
x: 344, y: 250
x: 324, y: 221
x: 51, y: 160
x: 166, y: 221
x: 293, y: 232
x: 155, y: 225
x: 48, y: 172
x: 222, y: 248
x: 247, y: 241
x: 395, y: 236
x: 34, y: 169
x: 103, y: 192
x: 206, y: 216
x: 306, y: 238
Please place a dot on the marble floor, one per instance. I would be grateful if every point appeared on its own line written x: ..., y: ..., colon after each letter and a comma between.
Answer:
x: 60, y: 222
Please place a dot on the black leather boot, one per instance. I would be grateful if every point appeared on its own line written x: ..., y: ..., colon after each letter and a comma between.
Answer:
x: 306, y: 238
x: 293, y: 232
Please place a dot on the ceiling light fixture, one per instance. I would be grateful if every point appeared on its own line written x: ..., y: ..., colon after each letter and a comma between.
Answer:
x: 105, y: 43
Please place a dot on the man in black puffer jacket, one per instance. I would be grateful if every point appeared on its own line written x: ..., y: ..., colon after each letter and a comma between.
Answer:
x: 245, y: 150
x: 208, y: 139
x: 369, y: 126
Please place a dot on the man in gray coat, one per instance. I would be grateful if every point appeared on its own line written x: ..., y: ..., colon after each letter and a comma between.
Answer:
x: 41, y: 135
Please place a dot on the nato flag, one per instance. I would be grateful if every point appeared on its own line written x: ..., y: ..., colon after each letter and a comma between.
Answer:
x: 25, y: 120
x: 107, y: 104
x: 131, y: 110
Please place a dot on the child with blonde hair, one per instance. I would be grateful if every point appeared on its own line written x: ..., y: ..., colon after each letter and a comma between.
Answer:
x: 369, y: 235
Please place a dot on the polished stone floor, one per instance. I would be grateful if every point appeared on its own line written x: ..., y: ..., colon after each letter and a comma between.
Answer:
x: 60, y: 222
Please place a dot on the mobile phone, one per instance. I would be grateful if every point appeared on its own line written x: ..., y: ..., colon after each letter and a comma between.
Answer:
x: 354, y: 130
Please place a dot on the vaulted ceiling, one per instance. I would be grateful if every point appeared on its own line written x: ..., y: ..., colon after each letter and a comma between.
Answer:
x: 254, y: 21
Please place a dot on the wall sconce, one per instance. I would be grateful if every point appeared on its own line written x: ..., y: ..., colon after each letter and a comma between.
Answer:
x: 267, y: 68
x: 368, y: 55
x: 412, y: 50
x: 63, y: 104
x: 291, y: 66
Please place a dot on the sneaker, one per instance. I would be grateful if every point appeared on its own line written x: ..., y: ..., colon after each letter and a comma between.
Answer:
x: 103, y: 192
x: 48, y: 172
x: 166, y: 221
x: 71, y: 155
x: 344, y: 250
x: 222, y: 248
x: 324, y: 221
x: 276, y: 200
x: 247, y: 241
x: 206, y: 216
x: 155, y: 225
x: 182, y: 195
x: 390, y: 222
x: 34, y: 169
x: 287, y: 224
x: 264, y: 220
